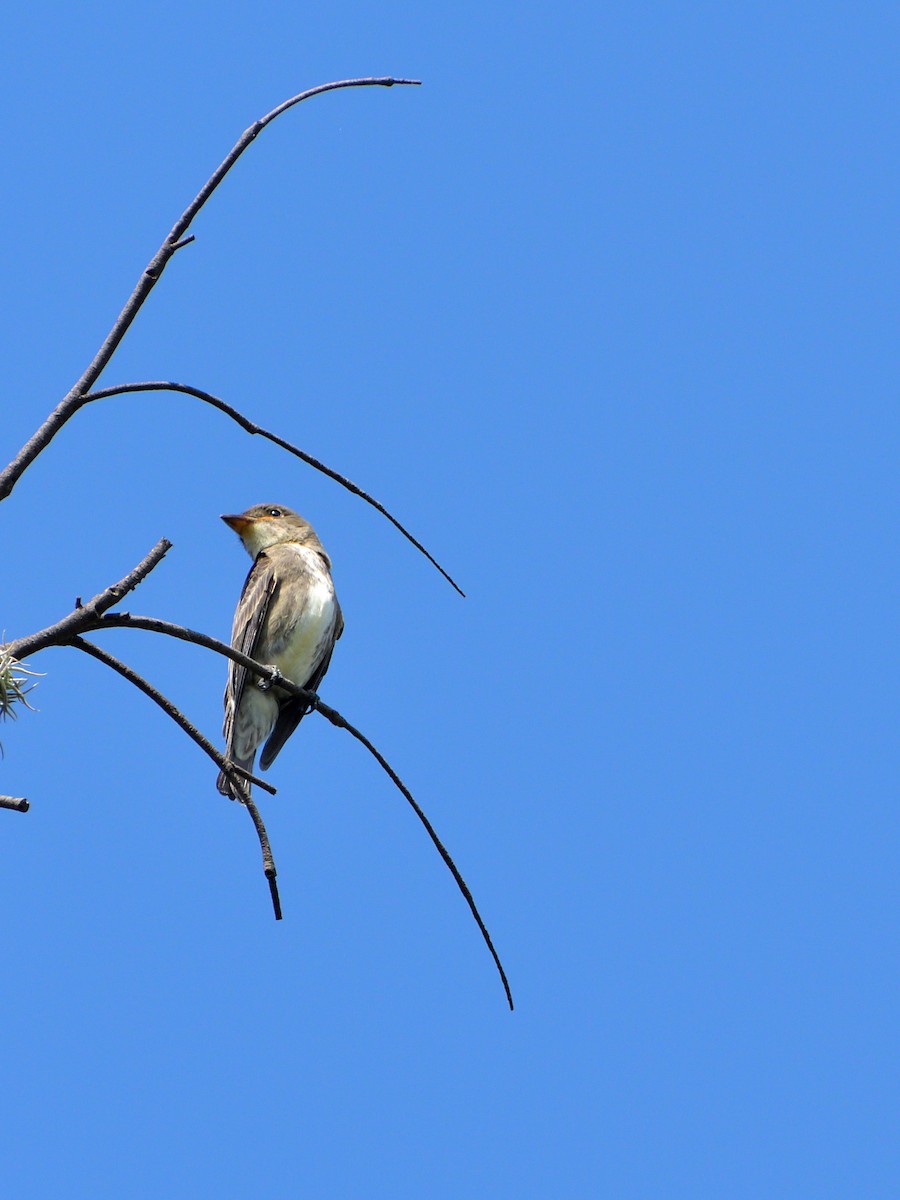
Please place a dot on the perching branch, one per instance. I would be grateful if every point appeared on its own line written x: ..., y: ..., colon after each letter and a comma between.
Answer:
x: 274, y: 676
x: 94, y: 617
x: 237, y: 774
x: 74, y: 399
x: 87, y: 617
x: 252, y: 428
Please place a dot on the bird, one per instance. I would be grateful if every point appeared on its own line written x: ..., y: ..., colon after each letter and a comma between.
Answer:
x: 288, y: 617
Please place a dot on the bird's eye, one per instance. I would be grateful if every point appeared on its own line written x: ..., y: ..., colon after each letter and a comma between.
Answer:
x: 274, y: 512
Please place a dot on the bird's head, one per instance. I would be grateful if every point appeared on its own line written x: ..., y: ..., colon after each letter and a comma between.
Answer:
x: 266, y: 525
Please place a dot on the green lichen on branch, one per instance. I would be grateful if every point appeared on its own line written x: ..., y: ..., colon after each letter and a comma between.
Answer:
x: 16, y: 681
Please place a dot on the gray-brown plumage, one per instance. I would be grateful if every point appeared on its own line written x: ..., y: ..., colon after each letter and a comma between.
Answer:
x: 288, y: 616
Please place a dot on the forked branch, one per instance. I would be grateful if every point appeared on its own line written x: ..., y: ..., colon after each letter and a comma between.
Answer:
x: 237, y: 774
x: 274, y: 676
x: 84, y: 617
x: 80, y: 394
x: 71, y: 402
x: 94, y: 617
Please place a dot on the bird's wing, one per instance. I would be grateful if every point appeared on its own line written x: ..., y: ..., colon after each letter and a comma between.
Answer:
x: 250, y: 615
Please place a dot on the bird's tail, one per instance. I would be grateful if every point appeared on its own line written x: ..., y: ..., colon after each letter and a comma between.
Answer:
x: 227, y: 787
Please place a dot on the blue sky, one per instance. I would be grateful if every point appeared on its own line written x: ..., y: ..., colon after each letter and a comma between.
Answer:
x: 606, y: 313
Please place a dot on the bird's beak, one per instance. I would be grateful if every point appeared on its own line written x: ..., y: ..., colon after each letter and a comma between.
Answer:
x: 239, y: 524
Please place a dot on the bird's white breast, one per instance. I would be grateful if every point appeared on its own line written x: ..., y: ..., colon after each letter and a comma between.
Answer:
x: 311, y: 637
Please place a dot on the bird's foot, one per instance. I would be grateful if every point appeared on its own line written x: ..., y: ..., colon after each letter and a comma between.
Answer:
x: 275, y: 678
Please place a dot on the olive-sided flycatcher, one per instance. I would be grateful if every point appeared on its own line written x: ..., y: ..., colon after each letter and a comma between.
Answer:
x: 288, y: 617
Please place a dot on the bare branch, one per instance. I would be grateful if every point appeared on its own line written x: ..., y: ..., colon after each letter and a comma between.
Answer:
x: 151, y: 274
x: 16, y: 803
x: 237, y: 774
x: 155, y: 625
x: 230, y: 769
x: 84, y: 617
x: 252, y: 428
x: 335, y: 718
x: 125, y: 620
x: 268, y: 860
x: 94, y: 617
x: 251, y: 133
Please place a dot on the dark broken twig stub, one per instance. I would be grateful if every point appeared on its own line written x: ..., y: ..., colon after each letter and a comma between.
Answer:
x: 16, y: 803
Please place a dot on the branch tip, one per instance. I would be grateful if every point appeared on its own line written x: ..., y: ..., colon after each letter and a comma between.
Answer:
x: 15, y: 803
x: 341, y: 722
x: 276, y: 899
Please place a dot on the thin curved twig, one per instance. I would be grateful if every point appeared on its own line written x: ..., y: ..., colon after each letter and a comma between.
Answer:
x: 175, y: 239
x: 335, y: 718
x: 171, y: 629
x: 237, y: 774
x: 251, y: 427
